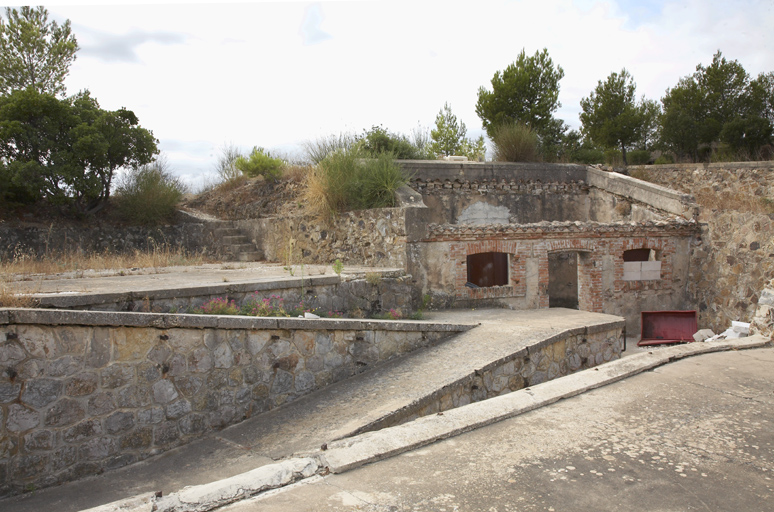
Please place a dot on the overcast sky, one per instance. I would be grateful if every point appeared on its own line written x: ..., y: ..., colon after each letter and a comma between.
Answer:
x: 275, y: 74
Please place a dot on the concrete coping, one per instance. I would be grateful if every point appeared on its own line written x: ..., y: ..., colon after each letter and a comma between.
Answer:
x: 9, y: 316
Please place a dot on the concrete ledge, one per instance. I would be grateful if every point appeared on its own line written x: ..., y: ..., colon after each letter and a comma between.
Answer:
x: 657, y: 196
x: 201, y: 498
x: 476, y: 171
x: 69, y: 301
x: 353, y: 452
x: 185, y: 321
x: 704, y: 165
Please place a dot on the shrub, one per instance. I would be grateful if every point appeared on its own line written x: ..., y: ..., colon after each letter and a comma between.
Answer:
x: 588, y: 156
x: 148, y: 195
x: 323, y: 147
x: 515, y: 142
x: 638, y: 157
x: 219, y: 306
x: 665, y: 159
x: 260, y: 163
x: 613, y: 157
x: 378, y: 141
x: 267, y: 306
x: 346, y: 181
x: 226, y: 167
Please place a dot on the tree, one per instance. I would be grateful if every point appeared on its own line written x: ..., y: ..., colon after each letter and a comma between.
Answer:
x: 448, y: 134
x: 611, y: 116
x: 34, y: 52
x: 67, y: 150
x: 697, y: 110
x: 527, y: 91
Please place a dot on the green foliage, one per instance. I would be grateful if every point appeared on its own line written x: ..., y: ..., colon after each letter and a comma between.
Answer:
x: 611, y: 116
x: 515, y: 142
x: 338, y: 266
x: 746, y: 134
x: 260, y: 163
x: 527, y: 91
x: 323, y: 147
x: 148, y: 195
x: 352, y: 180
x: 378, y: 140
x: 639, y: 157
x: 588, y: 156
x: 448, y: 134
x: 664, y: 159
x: 67, y: 151
x: 699, y: 108
x: 449, y: 138
x: 34, y: 52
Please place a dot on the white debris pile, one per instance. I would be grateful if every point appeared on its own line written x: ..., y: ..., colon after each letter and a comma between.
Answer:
x: 737, y: 330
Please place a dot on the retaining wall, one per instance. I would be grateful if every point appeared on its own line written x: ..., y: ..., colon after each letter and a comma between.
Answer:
x: 83, y: 392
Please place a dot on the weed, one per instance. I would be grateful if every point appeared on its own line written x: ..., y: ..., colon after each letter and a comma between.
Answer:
x: 515, y: 142
x: 323, y: 147
x: 373, y: 278
x: 149, y: 194
x: 338, y: 266
x: 219, y: 306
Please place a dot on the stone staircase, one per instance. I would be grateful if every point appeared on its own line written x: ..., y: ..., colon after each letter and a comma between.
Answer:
x: 236, y: 245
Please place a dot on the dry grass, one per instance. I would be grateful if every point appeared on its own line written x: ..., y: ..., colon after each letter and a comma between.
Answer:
x: 734, y: 201
x: 11, y: 298
x: 25, y: 264
x: 315, y: 197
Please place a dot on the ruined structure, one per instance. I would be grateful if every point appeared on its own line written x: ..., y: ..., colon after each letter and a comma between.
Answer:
x: 538, y: 236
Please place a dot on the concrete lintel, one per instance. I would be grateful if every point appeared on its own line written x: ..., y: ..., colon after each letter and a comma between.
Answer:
x: 476, y: 171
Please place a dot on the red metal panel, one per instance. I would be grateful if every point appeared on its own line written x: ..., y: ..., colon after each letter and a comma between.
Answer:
x: 667, y: 327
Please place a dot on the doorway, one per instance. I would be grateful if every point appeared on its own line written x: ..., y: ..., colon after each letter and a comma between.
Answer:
x: 563, y: 280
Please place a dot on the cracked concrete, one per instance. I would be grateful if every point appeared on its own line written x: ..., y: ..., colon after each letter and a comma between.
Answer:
x: 692, y: 435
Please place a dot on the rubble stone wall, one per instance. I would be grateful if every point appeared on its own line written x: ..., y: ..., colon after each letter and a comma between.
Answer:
x: 82, y: 392
x: 367, y: 237
x: 540, y: 363
x: 732, y: 262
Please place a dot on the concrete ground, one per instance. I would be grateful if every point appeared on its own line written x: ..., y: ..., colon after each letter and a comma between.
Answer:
x: 692, y: 435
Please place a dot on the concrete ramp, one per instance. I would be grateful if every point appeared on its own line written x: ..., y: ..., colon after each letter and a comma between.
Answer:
x: 509, y: 350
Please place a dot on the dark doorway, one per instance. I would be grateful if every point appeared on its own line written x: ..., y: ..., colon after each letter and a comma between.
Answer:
x: 563, y: 280
x: 488, y: 269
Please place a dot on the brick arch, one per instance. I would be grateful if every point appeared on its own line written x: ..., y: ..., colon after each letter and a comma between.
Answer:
x: 582, y: 245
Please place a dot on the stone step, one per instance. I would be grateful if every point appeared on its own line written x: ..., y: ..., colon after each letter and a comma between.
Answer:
x: 235, y: 239
x: 237, y: 248
x: 249, y: 256
x: 222, y: 232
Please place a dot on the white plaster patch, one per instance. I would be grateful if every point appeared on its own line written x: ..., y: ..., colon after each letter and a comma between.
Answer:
x: 484, y: 213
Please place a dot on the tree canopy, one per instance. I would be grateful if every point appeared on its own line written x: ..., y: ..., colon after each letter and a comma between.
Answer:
x: 34, y: 52
x: 717, y: 103
x: 611, y: 115
x: 66, y: 150
x: 527, y: 91
x: 448, y: 134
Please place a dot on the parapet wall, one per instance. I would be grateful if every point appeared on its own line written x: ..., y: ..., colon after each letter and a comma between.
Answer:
x: 83, y: 392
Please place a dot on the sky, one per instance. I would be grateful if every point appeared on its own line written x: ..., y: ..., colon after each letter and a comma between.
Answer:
x: 277, y: 74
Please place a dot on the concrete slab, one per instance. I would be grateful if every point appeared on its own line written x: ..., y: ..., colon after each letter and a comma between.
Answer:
x: 654, y: 441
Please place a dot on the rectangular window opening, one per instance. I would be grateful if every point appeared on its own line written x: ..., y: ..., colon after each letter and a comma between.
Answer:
x: 487, y: 269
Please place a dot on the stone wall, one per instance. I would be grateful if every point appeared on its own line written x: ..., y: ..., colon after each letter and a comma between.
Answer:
x: 732, y: 262
x: 367, y: 237
x: 390, y: 290
x: 194, y: 237
x: 82, y: 392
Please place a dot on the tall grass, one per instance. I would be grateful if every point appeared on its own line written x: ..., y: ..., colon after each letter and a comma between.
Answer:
x: 148, y: 195
x: 321, y: 148
x: 515, y: 142
x: 347, y: 181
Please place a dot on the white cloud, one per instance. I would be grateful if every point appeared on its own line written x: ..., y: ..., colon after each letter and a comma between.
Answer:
x: 277, y: 73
